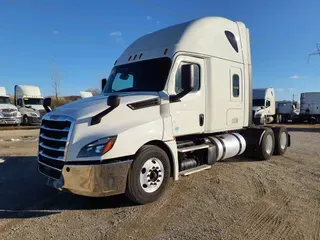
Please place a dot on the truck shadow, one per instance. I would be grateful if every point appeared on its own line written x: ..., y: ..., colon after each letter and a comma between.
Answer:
x: 24, y: 194
x: 292, y: 129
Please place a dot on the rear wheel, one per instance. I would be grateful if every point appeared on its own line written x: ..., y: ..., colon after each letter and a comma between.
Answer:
x: 149, y: 175
x: 281, y: 140
x: 266, y: 148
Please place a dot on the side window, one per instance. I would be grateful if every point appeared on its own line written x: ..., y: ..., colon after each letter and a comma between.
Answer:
x: 232, y: 40
x: 235, y: 85
x: 122, y: 82
x: 19, y: 102
x: 268, y: 103
x: 178, y: 79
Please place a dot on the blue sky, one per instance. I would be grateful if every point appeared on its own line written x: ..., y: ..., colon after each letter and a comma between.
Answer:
x: 82, y: 39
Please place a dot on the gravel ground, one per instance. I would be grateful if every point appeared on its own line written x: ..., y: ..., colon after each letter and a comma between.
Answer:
x: 236, y: 199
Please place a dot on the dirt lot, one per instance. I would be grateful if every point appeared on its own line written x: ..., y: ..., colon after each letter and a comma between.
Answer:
x: 236, y: 199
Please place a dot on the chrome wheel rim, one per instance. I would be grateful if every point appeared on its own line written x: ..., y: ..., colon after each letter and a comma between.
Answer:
x: 283, y: 140
x: 269, y: 143
x: 151, y: 175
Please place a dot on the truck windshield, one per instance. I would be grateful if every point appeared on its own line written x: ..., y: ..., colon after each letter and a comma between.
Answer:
x: 33, y: 101
x: 5, y: 100
x: 258, y: 102
x: 149, y: 75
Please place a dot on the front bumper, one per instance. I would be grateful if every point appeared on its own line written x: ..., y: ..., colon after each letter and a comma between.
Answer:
x: 10, y: 121
x: 34, y: 120
x: 89, y: 180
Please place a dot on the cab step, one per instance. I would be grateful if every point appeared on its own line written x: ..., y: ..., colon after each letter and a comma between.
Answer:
x: 192, y: 148
x: 195, y: 170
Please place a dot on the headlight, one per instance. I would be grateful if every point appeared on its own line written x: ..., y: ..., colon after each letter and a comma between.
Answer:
x: 98, y: 148
x: 19, y: 114
x: 1, y: 115
x: 34, y: 114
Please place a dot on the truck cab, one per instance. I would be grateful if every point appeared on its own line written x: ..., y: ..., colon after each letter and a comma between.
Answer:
x: 264, y: 106
x: 176, y: 101
x: 9, y: 113
x: 287, y: 110
x: 29, y: 102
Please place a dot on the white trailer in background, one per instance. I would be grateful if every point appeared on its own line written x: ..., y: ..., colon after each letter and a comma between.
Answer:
x: 177, y: 100
x: 287, y: 111
x: 9, y: 113
x: 29, y: 101
x: 84, y: 94
x: 264, y: 106
x: 310, y: 107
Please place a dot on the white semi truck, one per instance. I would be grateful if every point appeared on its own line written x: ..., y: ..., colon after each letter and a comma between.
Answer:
x: 9, y: 113
x: 310, y: 107
x: 84, y: 94
x: 177, y: 100
x: 29, y: 101
x: 264, y: 106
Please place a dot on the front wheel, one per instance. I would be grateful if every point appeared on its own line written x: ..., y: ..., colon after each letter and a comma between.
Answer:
x: 25, y: 120
x: 149, y: 175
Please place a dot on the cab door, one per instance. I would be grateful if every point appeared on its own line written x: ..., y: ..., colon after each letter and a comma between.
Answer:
x: 188, y: 113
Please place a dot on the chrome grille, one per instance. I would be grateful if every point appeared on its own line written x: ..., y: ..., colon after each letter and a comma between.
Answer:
x: 9, y: 113
x: 53, y: 141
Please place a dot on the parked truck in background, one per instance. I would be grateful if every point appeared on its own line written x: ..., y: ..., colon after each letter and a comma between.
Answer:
x: 310, y: 107
x: 84, y: 94
x: 177, y: 100
x: 9, y: 113
x: 287, y: 111
x: 264, y: 106
x: 29, y: 101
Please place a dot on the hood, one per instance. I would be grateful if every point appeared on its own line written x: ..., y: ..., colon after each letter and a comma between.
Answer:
x: 36, y: 107
x: 88, y: 107
x: 8, y: 106
x: 257, y: 108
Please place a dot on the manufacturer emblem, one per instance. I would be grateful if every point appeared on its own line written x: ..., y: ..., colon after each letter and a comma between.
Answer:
x: 54, y: 117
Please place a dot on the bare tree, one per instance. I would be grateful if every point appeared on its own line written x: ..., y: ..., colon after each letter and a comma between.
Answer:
x: 55, y: 78
x: 316, y: 52
x: 94, y: 91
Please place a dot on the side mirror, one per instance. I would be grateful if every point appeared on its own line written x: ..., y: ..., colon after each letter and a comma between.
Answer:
x: 103, y: 83
x: 187, y: 81
x: 47, y: 104
x: 113, y: 101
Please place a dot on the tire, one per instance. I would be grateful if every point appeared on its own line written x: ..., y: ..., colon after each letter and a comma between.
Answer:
x: 25, y: 120
x: 142, y: 186
x: 313, y: 120
x: 281, y: 140
x: 265, y: 150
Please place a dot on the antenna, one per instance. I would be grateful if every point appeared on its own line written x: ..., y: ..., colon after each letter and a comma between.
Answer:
x: 317, y: 52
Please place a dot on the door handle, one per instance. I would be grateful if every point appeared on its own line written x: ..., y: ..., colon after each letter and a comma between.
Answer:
x: 201, y: 119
